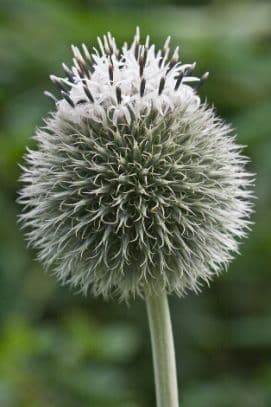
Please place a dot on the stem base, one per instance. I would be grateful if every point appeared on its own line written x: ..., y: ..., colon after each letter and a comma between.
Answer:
x: 162, y: 349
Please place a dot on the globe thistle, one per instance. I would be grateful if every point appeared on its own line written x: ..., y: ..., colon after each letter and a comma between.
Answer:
x: 135, y: 181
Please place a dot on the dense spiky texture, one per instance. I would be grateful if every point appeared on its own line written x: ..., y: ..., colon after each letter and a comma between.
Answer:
x: 134, y: 181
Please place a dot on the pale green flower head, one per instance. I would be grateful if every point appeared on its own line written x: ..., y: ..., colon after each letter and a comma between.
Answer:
x: 134, y: 181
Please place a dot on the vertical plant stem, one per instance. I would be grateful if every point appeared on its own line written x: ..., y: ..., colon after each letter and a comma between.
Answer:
x: 162, y: 349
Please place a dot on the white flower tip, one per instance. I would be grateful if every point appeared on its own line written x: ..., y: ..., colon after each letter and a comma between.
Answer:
x: 167, y: 42
x: 137, y: 34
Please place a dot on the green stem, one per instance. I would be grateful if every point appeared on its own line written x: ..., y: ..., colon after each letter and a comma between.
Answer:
x: 162, y: 349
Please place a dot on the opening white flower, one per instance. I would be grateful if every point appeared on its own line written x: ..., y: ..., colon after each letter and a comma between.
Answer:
x: 135, y: 181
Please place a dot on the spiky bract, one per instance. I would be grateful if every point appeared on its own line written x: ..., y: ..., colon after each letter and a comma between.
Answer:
x: 134, y: 181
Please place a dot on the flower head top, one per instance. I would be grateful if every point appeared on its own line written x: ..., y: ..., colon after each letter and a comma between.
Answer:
x: 135, y: 182
x: 110, y: 85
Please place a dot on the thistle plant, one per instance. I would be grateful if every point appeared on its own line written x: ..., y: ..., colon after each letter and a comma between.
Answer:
x: 136, y: 187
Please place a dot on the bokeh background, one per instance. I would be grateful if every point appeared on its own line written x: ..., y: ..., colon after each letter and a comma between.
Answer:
x: 59, y: 349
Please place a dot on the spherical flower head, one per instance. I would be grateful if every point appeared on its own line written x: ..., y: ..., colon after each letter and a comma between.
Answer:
x: 135, y: 181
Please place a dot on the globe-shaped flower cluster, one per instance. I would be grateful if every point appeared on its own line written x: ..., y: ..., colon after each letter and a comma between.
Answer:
x: 134, y: 182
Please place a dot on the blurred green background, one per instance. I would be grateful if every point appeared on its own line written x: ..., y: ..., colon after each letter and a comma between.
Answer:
x: 59, y: 349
